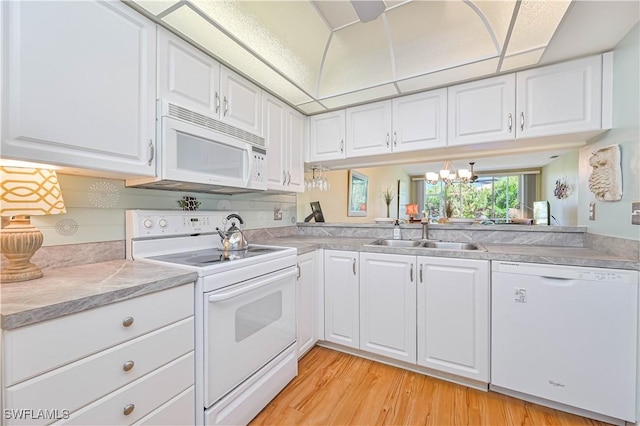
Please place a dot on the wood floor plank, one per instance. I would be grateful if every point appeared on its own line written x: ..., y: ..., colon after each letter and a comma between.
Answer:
x: 333, y: 388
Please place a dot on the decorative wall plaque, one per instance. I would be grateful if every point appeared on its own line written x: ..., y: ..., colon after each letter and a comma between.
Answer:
x: 606, y: 176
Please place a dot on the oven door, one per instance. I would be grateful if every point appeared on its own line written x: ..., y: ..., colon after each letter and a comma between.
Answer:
x: 247, y: 325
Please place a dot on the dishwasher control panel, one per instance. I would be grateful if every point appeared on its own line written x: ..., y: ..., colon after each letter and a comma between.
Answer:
x: 566, y: 273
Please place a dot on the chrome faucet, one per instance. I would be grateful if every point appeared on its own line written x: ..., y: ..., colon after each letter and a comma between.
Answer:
x: 425, y: 228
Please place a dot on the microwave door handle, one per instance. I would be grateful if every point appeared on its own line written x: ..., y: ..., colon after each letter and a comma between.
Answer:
x: 260, y: 282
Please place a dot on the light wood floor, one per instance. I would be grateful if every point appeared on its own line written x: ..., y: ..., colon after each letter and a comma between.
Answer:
x: 333, y: 388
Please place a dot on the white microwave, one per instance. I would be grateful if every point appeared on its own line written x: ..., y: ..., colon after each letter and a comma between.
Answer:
x: 202, y: 154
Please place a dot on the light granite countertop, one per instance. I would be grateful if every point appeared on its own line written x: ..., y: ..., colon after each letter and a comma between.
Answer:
x: 572, y: 256
x: 73, y: 289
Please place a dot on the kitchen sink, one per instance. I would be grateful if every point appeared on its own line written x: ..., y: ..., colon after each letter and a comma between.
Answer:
x: 396, y: 243
x: 429, y: 244
x: 449, y: 245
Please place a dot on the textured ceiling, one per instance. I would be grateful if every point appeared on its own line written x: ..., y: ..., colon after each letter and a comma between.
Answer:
x: 317, y: 55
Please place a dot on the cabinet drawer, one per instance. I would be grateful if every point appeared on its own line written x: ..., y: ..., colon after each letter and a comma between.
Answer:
x: 178, y: 411
x: 145, y: 395
x: 78, y: 335
x: 89, y: 379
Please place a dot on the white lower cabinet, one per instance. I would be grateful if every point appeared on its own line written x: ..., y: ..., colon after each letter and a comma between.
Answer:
x: 388, y: 305
x: 305, y: 294
x: 112, y: 365
x: 454, y: 316
x: 341, y: 298
x: 429, y: 311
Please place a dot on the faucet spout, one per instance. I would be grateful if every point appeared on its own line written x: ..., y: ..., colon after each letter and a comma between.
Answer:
x: 425, y: 229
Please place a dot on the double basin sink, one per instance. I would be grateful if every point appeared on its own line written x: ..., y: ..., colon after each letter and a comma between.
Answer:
x: 432, y: 244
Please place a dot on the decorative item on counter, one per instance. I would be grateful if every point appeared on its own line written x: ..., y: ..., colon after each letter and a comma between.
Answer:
x: 411, y: 210
x: 189, y: 203
x: 606, y: 176
x: 563, y: 189
x: 388, y: 196
x: 25, y: 192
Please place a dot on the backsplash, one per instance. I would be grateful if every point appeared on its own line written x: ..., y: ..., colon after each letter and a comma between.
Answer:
x: 96, y: 209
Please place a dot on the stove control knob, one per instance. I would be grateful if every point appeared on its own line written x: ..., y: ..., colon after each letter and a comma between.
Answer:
x: 147, y: 223
x: 162, y: 223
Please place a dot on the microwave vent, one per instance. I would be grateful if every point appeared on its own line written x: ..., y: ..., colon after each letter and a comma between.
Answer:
x: 204, y: 121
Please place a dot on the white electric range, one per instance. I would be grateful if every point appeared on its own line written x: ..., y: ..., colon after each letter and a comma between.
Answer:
x: 245, y: 309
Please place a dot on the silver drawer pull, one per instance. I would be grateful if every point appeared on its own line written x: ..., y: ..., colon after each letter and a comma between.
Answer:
x: 128, y: 409
x: 128, y: 365
x: 127, y: 322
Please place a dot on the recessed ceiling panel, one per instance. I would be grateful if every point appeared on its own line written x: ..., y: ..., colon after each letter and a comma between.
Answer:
x: 156, y: 7
x: 357, y: 58
x: 336, y: 13
x: 522, y: 60
x: 535, y: 24
x: 361, y: 96
x: 290, y: 35
x: 430, y: 36
x: 497, y: 14
x: 193, y: 26
x: 449, y: 76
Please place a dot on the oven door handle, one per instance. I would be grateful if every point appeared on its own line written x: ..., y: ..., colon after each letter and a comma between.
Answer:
x: 260, y: 282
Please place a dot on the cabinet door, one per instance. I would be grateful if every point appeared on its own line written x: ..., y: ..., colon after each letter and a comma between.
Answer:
x: 453, y: 316
x: 341, y: 301
x: 187, y: 76
x: 388, y: 305
x: 420, y: 121
x: 560, y: 99
x: 482, y: 111
x: 305, y: 295
x: 296, y: 132
x: 326, y: 136
x: 80, y: 85
x: 369, y: 129
x: 241, y: 102
x: 274, y: 133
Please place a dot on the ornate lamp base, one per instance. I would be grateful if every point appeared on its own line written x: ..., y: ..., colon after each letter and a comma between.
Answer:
x: 20, y: 240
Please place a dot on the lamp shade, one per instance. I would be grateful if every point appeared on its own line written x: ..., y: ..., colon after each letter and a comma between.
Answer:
x: 29, y: 192
x: 411, y: 209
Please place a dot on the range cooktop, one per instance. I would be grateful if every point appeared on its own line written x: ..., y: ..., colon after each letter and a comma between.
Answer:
x: 207, y: 257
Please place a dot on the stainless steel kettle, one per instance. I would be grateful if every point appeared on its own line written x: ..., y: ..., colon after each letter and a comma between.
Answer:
x: 233, y: 239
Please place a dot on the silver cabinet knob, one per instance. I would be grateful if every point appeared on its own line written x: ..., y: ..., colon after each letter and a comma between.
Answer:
x: 128, y: 409
x: 127, y: 322
x: 128, y: 365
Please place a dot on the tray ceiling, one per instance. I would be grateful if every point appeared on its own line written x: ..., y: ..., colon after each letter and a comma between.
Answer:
x: 317, y: 54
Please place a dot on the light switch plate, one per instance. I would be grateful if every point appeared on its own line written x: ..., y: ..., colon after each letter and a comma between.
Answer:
x: 277, y: 213
x: 635, y: 213
x: 592, y: 211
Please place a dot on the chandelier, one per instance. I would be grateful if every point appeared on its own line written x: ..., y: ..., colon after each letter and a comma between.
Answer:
x: 448, y: 174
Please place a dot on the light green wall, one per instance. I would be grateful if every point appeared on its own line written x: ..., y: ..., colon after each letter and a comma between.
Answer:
x: 614, y: 218
x: 565, y: 167
x: 96, y: 209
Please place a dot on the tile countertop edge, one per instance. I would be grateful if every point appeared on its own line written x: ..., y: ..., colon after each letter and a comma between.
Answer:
x: 69, y: 290
x: 570, y: 256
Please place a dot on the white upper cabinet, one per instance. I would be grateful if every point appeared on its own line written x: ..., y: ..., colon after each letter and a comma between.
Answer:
x: 369, y: 129
x: 194, y: 80
x: 420, y: 121
x: 187, y: 76
x: 79, y: 86
x: 563, y: 99
x: 560, y: 99
x: 241, y: 102
x: 482, y: 111
x: 388, y: 305
x: 326, y: 136
x: 408, y: 123
x: 284, y: 131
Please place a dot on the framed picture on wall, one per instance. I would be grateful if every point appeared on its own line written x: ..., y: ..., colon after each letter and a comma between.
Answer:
x: 358, y: 192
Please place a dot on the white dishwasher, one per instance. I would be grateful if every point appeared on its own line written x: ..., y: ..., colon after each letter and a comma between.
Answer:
x: 566, y: 334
